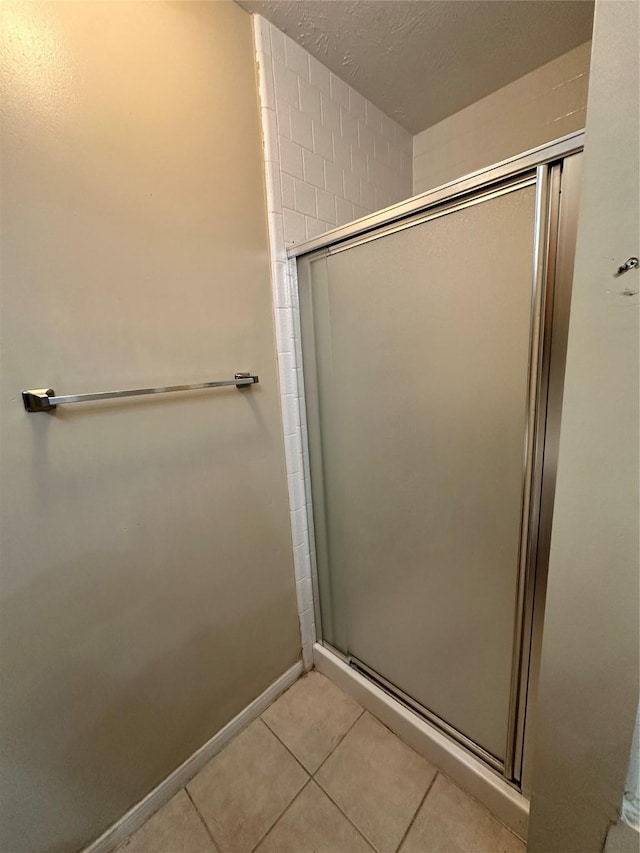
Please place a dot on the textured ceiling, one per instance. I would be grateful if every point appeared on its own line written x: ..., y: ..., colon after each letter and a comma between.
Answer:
x: 420, y: 61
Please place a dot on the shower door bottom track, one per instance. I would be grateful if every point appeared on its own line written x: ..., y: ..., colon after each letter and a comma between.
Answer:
x: 427, y: 715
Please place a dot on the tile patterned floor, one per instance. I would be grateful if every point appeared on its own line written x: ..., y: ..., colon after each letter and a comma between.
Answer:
x: 317, y: 774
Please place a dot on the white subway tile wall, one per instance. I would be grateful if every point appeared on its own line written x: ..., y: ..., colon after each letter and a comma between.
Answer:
x: 544, y: 105
x: 352, y: 158
x: 330, y: 157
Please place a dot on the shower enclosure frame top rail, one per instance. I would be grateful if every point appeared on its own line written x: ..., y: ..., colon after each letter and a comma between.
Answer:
x: 552, y: 262
x: 454, y: 190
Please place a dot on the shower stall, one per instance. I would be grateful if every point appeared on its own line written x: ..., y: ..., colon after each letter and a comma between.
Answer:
x: 433, y: 337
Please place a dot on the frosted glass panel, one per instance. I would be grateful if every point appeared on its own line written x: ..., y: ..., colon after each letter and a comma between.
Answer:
x: 416, y: 363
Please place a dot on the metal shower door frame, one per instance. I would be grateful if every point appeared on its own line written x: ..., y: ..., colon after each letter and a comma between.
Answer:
x: 556, y: 176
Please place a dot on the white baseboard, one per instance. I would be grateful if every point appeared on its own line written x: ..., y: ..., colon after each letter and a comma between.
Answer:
x: 509, y: 806
x: 622, y: 838
x: 143, y: 810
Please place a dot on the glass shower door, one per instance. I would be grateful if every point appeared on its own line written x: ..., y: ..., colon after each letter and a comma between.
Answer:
x: 416, y: 351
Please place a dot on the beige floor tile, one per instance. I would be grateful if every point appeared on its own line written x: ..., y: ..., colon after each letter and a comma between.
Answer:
x: 312, y: 824
x: 451, y: 822
x: 377, y: 781
x: 175, y: 828
x: 311, y: 717
x: 244, y: 789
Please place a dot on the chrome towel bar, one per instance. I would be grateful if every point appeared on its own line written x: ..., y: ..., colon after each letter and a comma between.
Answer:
x: 44, y: 399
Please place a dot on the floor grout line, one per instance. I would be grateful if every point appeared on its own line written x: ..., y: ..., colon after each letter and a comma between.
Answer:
x: 327, y: 756
x: 346, y: 816
x: 282, y: 743
x: 328, y: 795
x: 415, y: 815
x: 280, y: 816
x: 204, y: 823
x: 313, y: 779
x: 310, y: 776
x: 338, y: 742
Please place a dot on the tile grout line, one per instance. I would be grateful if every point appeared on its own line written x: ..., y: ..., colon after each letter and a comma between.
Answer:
x: 310, y: 777
x: 216, y: 846
x: 327, y: 757
x: 328, y: 795
x: 282, y: 743
x: 329, y: 754
x: 429, y: 787
x: 313, y: 779
x: 297, y: 760
x: 346, y: 816
x: 415, y: 815
x: 321, y: 787
x: 280, y: 816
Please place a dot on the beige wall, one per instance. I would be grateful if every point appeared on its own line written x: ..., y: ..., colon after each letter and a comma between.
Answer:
x: 147, y: 580
x: 541, y: 106
x: 588, y: 691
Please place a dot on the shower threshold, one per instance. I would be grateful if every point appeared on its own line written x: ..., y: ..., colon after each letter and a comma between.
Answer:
x: 458, y: 762
x: 427, y: 715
